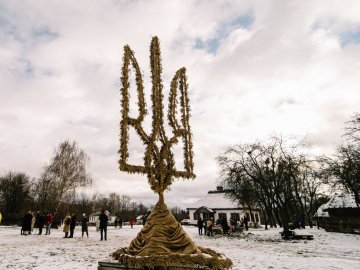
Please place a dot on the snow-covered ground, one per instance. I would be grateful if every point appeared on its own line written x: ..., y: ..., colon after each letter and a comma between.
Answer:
x: 258, y: 249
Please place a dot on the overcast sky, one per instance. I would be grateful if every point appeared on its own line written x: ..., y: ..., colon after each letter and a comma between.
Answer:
x: 254, y: 68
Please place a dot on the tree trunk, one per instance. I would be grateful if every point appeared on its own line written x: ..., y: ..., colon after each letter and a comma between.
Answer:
x: 265, y: 218
x: 269, y: 216
x: 273, y: 221
x: 279, y: 221
x: 284, y: 219
x: 304, y: 218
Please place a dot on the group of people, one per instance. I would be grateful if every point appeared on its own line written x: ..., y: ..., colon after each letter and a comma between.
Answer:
x: 38, y: 220
x: 208, y: 225
x: 70, y: 224
x: 244, y: 223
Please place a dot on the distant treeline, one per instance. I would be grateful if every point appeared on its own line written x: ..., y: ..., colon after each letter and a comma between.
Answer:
x: 19, y: 195
x: 56, y: 191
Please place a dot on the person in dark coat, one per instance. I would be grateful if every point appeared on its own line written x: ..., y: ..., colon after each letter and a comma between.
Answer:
x: 26, y: 226
x: 120, y: 223
x: 103, y: 225
x: 246, y: 220
x: 72, y: 225
x: 40, y: 222
x: 84, y: 225
x: 200, y: 225
x: 224, y: 225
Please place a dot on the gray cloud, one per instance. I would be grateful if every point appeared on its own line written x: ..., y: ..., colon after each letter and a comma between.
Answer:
x: 278, y: 67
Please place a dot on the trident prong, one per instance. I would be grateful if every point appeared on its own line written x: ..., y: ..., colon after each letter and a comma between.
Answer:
x: 159, y: 163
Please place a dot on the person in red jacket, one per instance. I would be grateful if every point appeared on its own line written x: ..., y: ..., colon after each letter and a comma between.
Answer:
x: 48, y: 222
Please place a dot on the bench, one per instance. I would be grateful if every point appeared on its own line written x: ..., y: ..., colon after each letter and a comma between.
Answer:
x: 292, y: 235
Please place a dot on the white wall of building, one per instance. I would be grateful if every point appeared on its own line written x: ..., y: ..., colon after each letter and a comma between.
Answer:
x: 242, y: 212
x: 93, y: 218
x: 220, y: 204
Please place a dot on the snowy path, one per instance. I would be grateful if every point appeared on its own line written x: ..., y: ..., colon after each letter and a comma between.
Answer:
x: 259, y: 250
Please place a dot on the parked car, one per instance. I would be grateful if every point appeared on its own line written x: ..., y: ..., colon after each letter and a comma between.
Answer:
x: 185, y: 222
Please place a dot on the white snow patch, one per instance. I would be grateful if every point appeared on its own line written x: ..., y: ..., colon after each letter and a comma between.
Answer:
x: 342, y: 200
x: 258, y: 249
x: 215, y: 200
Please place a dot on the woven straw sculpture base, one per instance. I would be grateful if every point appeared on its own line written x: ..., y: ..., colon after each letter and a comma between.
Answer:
x: 163, y: 243
x: 114, y: 265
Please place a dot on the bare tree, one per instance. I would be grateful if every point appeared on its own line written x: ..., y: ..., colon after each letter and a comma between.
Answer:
x: 345, y: 168
x: 45, y: 192
x: 114, y: 202
x: 345, y: 165
x: 67, y: 171
x: 84, y: 205
x: 94, y: 201
x: 270, y: 175
x: 142, y: 209
x: 125, y: 203
x: 352, y: 128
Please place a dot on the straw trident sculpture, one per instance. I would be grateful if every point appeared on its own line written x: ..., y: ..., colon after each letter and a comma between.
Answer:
x: 159, y: 163
x: 162, y: 241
